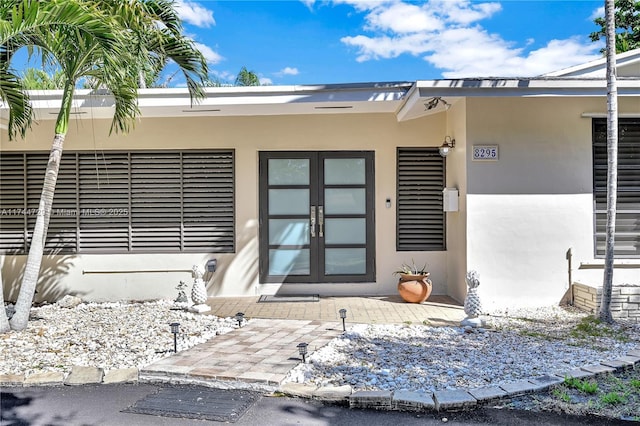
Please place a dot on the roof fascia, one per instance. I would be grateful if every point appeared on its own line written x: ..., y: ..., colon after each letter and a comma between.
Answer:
x: 501, y: 87
x: 381, y: 97
x: 622, y: 59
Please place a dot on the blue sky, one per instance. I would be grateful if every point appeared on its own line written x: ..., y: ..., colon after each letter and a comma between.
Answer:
x: 347, y: 41
x: 350, y: 41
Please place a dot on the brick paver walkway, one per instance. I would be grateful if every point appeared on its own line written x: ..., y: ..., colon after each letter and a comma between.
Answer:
x: 260, y: 354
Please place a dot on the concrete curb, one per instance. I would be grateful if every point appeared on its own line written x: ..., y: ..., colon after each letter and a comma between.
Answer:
x: 457, y: 399
x: 398, y: 400
x: 79, y: 375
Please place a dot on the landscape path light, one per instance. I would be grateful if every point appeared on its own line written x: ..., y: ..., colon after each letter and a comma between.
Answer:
x: 239, y: 318
x: 302, y: 350
x: 343, y: 315
x: 175, y: 329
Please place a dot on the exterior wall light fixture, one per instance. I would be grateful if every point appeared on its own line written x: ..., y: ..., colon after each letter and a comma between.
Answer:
x: 447, y: 146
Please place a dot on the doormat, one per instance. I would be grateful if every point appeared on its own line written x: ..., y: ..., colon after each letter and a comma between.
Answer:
x: 191, y: 402
x: 278, y: 299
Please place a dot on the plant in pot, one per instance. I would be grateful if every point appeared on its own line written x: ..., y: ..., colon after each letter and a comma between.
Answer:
x: 414, y: 285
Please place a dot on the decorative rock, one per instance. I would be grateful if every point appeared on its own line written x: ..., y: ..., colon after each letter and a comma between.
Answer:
x: 121, y: 375
x: 69, y: 301
x: 371, y: 357
x: 115, y: 335
x: 81, y: 375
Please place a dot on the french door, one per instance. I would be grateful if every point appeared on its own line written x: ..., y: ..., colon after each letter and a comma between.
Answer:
x: 317, y: 217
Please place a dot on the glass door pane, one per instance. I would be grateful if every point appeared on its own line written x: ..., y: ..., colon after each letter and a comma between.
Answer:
x: 286, y: 199
x: 346, y: 200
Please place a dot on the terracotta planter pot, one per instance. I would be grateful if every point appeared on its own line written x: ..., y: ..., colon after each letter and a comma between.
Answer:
x: 414, y: 288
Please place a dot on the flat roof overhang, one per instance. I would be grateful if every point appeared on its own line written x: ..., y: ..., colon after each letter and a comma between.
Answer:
x: 404, y: 99
x: 232, y: 101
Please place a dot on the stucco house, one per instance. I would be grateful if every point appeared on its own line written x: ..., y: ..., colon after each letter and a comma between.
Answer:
x: 328, y: 189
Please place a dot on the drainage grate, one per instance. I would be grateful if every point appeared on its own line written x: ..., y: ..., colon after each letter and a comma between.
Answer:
x: 273, y: 299
x: 192, y: 402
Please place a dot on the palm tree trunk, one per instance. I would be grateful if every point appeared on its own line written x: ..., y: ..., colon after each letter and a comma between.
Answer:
x: 36, y: 250
x: 612, y: 163
x: 4, y: 321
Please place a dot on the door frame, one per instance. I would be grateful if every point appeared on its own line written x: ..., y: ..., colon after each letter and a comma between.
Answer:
x: 315, y: 187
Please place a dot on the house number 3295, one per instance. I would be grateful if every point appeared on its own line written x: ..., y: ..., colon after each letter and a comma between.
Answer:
x: 485, y: 152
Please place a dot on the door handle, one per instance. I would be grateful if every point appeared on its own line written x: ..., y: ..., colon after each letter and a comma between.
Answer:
x: 321, y: 221
x: 312, y: 221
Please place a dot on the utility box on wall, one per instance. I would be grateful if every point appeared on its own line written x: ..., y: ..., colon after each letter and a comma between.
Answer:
x: 450, y: 199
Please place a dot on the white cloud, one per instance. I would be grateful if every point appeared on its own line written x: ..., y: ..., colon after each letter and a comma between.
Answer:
x: 209, y: 54
x: 448, y: 34
x: 265, y: 81
x: 308, y: 3
x: 402, y: 18
x: 598, y: 13
x: 194, y: 13
x: 288, y: 71
x: 388, y: 47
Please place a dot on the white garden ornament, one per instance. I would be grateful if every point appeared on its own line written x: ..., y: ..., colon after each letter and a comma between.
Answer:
x: 472, y: 304
x: 199, y: 291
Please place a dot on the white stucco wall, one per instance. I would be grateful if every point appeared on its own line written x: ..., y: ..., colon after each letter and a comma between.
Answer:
x: 528, y: 208
x: 457, y: 221
x: 132, y: 276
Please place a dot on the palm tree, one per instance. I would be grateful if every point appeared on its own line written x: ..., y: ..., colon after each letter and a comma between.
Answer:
x: 38, y: 79
x: 612, y: 161
x: 20, y: 22
x: 247, y: 78
x: 143, y: 32
x: 627, y: 21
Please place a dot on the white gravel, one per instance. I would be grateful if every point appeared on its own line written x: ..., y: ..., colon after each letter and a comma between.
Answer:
x: 513, y: 346
x: 105, y: 335
x: 516, y: 346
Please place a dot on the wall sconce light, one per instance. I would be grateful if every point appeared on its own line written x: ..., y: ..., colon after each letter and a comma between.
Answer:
x: 447, y: 146
x: 239, y: 318
x: 302, y: 350
x: 175, y: 329
x: 343, y: 315
x: 434, y: 102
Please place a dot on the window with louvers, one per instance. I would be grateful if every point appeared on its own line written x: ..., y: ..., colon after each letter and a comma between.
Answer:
x: 420, y: 220
x: 115, y: 202
x: 627, y: 233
